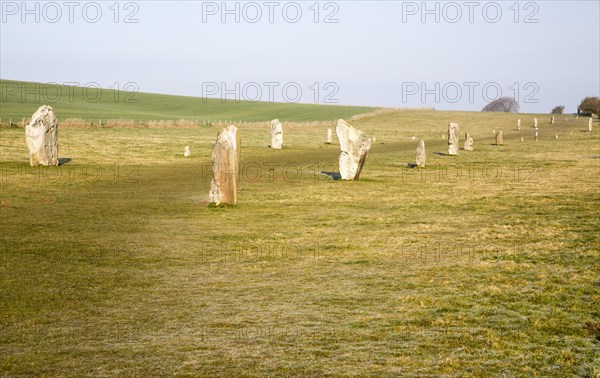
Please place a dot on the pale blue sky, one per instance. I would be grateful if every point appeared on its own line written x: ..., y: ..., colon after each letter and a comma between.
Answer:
x: 378, y: 53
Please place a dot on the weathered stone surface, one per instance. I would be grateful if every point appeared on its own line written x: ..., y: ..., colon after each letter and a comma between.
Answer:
x: 468, y: 146
x: 276, y: 134
x: 421, y: 154
x: 590, y: 124
x: 519, y: 124
x: 41, y: 137
x: 226, y: 167
x: 552, y: 120
x: 453, y: 139
x: 186, y: 151
x: 329, y: 136
x: 535, y: 122
x: 499, y: 138
x: 354, y: 146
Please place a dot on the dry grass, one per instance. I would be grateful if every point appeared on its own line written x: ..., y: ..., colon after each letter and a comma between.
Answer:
x: 481, y: 264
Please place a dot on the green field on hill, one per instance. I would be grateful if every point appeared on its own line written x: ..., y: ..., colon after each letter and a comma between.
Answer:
x: 20, y: 100
x: 482, y: 264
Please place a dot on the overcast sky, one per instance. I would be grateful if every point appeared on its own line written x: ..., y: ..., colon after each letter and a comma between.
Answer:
x: 447, y: 55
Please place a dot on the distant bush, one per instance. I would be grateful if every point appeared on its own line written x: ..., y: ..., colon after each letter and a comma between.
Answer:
x: 503, y: 104
x: 558, y: 109
x: 589, y: 105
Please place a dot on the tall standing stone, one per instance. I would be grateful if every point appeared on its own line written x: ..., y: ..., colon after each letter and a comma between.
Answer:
x: 552, y: 120
x: 499, y: 138
x: 421, y: 154
x: 354, y: 146
x: 519, y: 124
x: 590, y: 125
x: 276, y: 134
x: 535, y: 122
x: 41, y: 137
x: 186, y: 151
x: 536, y: 135
x: 453, y: 139
x: 468, y: 146
x: 329, y: 136
x: 226, y: 167
x: 522, y: 139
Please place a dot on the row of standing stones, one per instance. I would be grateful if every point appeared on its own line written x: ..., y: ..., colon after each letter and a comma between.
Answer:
x: 41, y: 137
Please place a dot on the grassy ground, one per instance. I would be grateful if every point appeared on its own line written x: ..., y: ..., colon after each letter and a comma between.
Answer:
x: 20, y: 99
x: 484, y: 264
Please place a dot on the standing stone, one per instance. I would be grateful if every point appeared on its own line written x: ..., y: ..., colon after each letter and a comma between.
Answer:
x: 443, y: 136
x: 468, y: 146
x: 536, y: 135
x: 421, y: 154
x: 556, y: 136
x: 535, y: 122
x: 590, y: 125
x: 499, y: 139
x: 329, y: 136
x: 522, y: 139
x: 453, y: 139
x: 354, y: 146
x: 519, y: 124
x: 41, y: 137
x: 566, y: 120
x: 552, y: 120
x: 186, y: 151
x: 226, y: 167
x: 276, y: 134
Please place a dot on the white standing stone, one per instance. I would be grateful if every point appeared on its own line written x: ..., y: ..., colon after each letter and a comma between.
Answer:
x: 453, y: 139
x: 41, y: 137
x: 499, y: 138
x: 329, y: 136
x: 186, y: 151
x: 519, y: 124
x: 226, y: 167
x: 535, y: 122
x: 468, y: 146
x: 556, y: 136
x: 536, y: 135
x: 522, y: 139
x: 421, y: 157
x: 552, y: 120
x: 354, y: 146
x: 276, y: 134
x: 590, y: 124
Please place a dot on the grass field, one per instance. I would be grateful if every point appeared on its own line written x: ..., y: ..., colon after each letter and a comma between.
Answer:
x: 20, y: 99
x: 484, y: 264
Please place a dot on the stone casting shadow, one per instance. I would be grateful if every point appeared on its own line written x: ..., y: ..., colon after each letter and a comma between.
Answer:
x: 411, y: 165
x: 440, y: 154
x: 333, y: 175
x: 63, y: 161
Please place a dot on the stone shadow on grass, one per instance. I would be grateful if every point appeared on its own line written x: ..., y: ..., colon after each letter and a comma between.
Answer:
x: 333, y: 175
x: 63, y: 161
